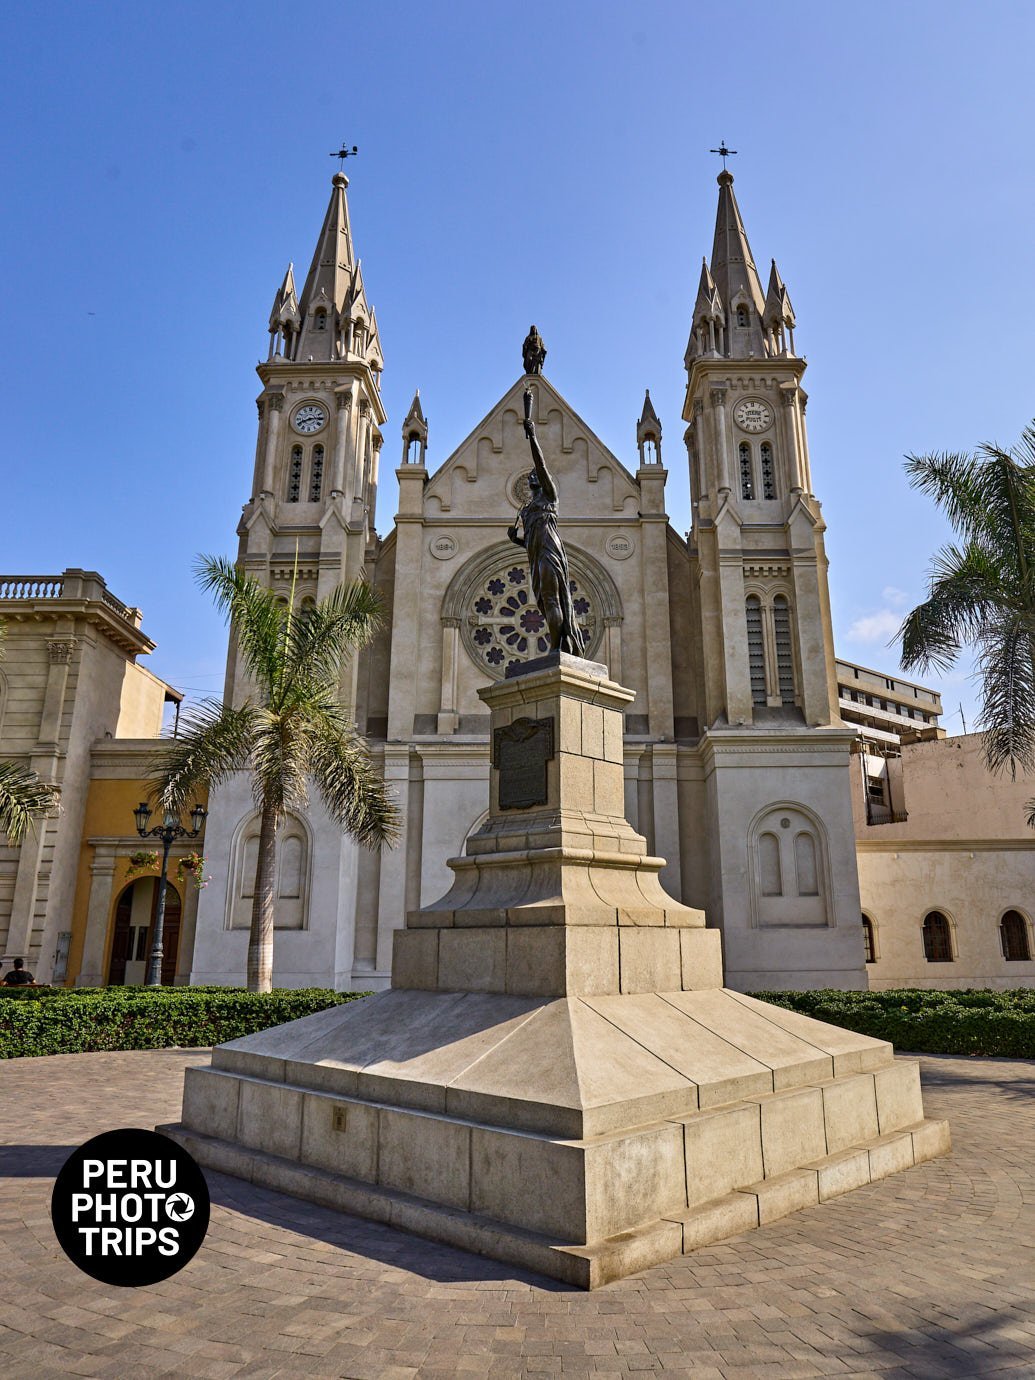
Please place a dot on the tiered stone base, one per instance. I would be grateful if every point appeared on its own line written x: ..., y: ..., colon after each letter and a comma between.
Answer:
x: 582, y: 1137
x: 558, y: 1078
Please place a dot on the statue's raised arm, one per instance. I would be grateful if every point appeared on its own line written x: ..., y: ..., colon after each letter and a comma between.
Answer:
x: 547, y: 561
x: 546, y: 484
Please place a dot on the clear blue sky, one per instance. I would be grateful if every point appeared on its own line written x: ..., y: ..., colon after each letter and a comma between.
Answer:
x: 162, y: 163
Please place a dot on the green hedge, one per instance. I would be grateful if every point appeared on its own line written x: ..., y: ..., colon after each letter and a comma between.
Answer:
x: 72, y: 1021
x: 969, y: 1021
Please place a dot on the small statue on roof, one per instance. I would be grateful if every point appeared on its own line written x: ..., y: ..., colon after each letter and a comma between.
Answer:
x: 533, y: 352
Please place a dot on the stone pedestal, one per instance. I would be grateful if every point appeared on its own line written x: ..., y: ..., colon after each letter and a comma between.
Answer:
x: 557, y: 1077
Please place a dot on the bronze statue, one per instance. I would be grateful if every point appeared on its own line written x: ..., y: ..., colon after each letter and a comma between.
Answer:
x: 547, y: 562
x: 533, y: 352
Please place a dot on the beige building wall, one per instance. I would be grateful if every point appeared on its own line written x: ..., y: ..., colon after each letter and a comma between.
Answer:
x: 69, y: 678
x: 963, y: 850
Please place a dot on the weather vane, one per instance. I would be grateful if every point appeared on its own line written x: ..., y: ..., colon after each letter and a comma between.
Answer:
x: 723, y: 152
x: 343, y: 153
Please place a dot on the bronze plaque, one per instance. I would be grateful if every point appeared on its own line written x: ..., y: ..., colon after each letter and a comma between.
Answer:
x: 520, y: 752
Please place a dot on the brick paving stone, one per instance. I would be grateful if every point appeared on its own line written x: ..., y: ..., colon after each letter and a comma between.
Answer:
x: 923, y: 1275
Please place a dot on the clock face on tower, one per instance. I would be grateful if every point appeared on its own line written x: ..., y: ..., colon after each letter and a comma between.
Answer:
x: 752, y: 415
x: 310, y: 417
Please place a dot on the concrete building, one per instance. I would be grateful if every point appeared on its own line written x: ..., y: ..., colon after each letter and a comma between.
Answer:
x: 947, y: 873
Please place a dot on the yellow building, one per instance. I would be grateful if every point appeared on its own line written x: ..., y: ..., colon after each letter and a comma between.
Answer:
x: 77, y: 709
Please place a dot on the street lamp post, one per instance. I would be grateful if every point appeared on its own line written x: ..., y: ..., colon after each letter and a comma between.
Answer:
x: 169, y: 829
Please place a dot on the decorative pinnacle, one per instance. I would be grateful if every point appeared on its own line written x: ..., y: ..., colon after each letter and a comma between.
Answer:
x: 723, y: 152
x: 343, y: 153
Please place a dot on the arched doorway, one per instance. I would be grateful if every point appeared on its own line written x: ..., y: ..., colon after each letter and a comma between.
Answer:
x: 131, y: 940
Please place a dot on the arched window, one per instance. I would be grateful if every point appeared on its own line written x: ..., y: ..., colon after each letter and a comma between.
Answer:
x: 747, y: 479
x: 768, y: 473
x: 869, y: 940
x: 937, y: 938
x: 294, y: 490
x: 321, y: 320
x: 769, y: 865
x: 742, y: 316
x: 291, y: 882
x: 1013, y: 931
x: 784, y: 654
x: 787, y: 868
x: 805, y: 864
x: 756, y: 648
x: 316, y: 475
x: 413, y: 449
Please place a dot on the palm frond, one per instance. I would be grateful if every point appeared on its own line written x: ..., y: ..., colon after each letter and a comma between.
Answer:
x: 214, y: 740
x: 953, y: 480
x: 278, y: 761
x: 963, y: 585
x: 321, y: 637
x: 1030, y: 807
x: 1007, y: 674
x: 355, y: 794
x: 24, y: 798
x: 257, y: 620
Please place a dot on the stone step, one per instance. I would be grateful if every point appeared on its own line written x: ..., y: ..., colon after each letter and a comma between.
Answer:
x: 584, y: 1266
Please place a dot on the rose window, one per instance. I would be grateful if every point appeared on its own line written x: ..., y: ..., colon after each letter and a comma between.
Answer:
x: 504, y: 626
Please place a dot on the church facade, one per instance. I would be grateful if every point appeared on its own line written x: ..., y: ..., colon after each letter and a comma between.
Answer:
x: 737, y: 764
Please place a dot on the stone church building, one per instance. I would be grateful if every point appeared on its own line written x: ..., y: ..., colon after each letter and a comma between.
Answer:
x: 738, y: 766
x: 813, y: 808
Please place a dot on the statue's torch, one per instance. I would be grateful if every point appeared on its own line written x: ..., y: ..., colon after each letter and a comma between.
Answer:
x: 528, y: 404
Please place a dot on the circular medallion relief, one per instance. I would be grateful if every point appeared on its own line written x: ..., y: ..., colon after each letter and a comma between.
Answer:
x: 619, y: 546
x: 517, y: 489
x: 503, y: 627
x: 444, y: 547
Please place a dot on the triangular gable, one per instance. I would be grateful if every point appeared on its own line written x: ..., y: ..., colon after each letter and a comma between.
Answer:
x: 482, y: 472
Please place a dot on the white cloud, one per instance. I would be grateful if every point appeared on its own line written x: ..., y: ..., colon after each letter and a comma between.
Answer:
x: 875, y: 627
x: 895, y: 597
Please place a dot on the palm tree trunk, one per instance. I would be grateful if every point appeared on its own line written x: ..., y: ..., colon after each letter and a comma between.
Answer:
x: 260, y: 939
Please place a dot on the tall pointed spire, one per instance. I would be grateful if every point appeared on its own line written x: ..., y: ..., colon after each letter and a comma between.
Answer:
x: 337, y: 321
x: 735, y: 275
x: 330, y: 273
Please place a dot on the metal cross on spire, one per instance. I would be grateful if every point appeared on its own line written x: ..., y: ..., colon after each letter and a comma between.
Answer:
x: 343, y: 153
x: 723, y: 152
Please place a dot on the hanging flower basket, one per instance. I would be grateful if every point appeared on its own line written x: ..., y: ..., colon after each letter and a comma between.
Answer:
x: 143, y: 860
x: 191, y: 867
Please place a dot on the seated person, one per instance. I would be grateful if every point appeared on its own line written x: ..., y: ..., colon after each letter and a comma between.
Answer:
x: 18, y: 976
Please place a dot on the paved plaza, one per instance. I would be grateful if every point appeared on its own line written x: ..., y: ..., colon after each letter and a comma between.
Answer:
x: 929, y: 1273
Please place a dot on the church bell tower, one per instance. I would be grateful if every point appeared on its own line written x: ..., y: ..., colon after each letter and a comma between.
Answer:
x: 775, y: 754
x: 757, y: 524
x: 314, y: 487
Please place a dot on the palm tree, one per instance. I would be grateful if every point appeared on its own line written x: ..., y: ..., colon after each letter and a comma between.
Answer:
x: 290, y: 731
x: 24, y: 798
x: 981, y: 591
